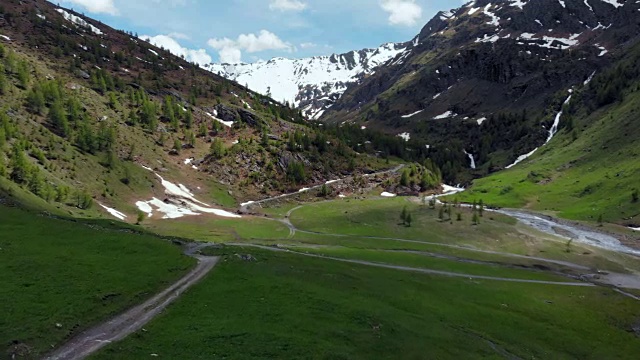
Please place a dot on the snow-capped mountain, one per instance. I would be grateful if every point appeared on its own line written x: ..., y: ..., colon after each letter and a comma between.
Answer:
x: 312, y: 84
x: 472, y: 68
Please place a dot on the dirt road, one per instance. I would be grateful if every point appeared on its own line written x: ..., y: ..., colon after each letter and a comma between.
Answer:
x: 244, y: 207
x: 132, y: 320
x: 417, y: 270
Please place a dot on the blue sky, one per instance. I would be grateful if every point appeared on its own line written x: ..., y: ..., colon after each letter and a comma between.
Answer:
x: 251, y: 30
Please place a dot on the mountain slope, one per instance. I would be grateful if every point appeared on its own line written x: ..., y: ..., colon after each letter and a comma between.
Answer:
x: 311, y: 84
x: 489, y: 78
x: 95, y: 121
x: 590, y: 171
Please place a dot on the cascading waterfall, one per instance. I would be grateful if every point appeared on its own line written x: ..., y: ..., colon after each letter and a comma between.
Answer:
x: 552, y: 132
x: 473, y: 161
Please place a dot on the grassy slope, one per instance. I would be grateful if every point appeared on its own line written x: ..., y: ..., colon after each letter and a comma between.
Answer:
x: 221, y: 182
x: 289, y: 307
x: 59, y: 271
x: 582, y: 179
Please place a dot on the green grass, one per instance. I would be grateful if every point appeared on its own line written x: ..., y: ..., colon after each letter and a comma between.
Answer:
x: 221, y: 196
x: 381, y: 218
x: 582, y: 179
x: 432, y: 263
x: 214, y: 229
x: 286, y: 306
x: 75, y: 274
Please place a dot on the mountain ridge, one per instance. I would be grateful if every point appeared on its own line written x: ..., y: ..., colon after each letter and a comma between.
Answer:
x: 489, y: 58
x: 311, y: 84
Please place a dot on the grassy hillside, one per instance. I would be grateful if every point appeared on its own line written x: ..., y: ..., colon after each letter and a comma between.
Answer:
x: 83, y: 109
x: 61, y: 276
x: 591, y: 169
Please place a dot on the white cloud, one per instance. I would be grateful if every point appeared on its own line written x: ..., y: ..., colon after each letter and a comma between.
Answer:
x: 180, y: 36
x: 402, y: 12
x: 96, y: 6
x: 266, y: 40
x: 230, y: 55
x: 308, y: 45
x: 230, y: 51
x: 167, y: 42
x: 287, y: 5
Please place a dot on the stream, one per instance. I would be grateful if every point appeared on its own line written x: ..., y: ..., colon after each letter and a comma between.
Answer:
x: 584, y: 236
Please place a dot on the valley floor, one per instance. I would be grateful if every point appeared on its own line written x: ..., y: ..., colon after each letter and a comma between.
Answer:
x: 345, y: 279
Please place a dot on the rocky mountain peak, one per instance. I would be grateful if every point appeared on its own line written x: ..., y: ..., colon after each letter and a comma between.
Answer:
x: 311, y: 84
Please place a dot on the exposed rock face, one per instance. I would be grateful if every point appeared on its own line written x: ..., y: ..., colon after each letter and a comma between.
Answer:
x: 226, y: 113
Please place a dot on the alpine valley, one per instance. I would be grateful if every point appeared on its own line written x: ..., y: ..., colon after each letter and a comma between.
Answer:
x: 476, y: 184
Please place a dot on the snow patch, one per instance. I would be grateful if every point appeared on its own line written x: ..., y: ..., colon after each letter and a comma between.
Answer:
x: 446, y: 115
x: 115, y: 213
x: 181, y: 203
x: 481, y: 120
x: 388, y: 194
x: 522, y: 158
x: 79, y: 21
x: 145, y: 208
x: 412, y: 114
x: 615, y: 3
x: 406, y: 136
x: 450, y: 190
x: 225, y: 123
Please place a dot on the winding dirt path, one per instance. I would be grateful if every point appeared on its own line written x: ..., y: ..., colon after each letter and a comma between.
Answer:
x: 244, y: 207
x: 293, y: 229
x: 418, y: 270
x: 614, y: 280
x: 133, y: 319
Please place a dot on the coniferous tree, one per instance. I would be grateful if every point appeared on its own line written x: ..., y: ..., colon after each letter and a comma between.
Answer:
x: 188, y: 119
x: 476, y: 218
x: 296, y: 172
x: 404, y: 178
x: 217, y: 149
x: 35, y: 100
x: 202, y: 131
x: 22, y: 74
x: 3, y: 165
x: 58, y: 118
x: 20, y: 167
x: 141, y: 216
x: 4, y: 84
x: 403, y: 215
x: 36, y: 182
